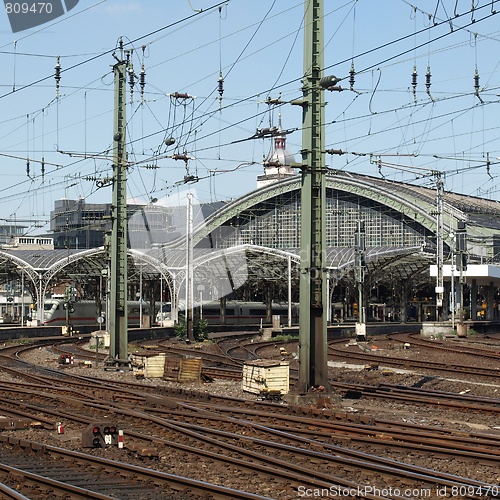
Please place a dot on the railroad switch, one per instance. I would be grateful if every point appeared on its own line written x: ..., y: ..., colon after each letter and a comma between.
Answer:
x: 143, y: 451
x: 18, y: 423
x: 271, y: 394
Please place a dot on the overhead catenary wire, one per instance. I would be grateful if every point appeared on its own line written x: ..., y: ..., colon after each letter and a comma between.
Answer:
x: 196, y: 137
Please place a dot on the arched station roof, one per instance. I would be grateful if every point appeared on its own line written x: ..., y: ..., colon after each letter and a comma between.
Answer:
x: 414, y: 208
x: 416, y: 202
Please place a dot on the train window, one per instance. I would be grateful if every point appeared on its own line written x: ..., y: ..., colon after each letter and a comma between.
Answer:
x: 211, y: 312
x: 279, y: 311
x: 257, y: 312
x: 216, y: 311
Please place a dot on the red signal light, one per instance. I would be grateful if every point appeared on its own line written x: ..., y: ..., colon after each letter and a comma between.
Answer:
x: 100, y: 435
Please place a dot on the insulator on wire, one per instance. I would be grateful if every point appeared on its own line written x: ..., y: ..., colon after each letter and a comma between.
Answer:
x: 43, y: 167
x: 142, y: 81
x: 221, y: 86
x: 414, y: 82
x: 28, y: 168
x: 57, y: 76
x: 476, y: 85
x: 428, y: 82
x: 131, y: 82
x: 488, y: 163
x: 352, y: 73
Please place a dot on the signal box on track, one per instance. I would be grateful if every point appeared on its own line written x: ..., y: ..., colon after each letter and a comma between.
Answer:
x: 100, y: 435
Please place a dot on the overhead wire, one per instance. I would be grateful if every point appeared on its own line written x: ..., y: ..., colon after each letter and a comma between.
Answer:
x: 385, y: 60
x: 240, y: 122
x: 110, y: 51
x: 143, y: 37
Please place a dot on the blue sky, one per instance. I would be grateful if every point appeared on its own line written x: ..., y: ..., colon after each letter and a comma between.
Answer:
x: 385, y: 128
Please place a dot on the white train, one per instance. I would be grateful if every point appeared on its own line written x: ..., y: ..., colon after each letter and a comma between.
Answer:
x: 85, y: 312
x: 237, y: 313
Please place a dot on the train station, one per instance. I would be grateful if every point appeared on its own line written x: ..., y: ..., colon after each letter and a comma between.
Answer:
x: 191, y: 310
x: 423, y: 248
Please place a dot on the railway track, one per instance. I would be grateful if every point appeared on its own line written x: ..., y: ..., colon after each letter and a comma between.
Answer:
x: 49, y: 470
x: 432, y: 367
x: 303, y: 451
x: 267, y: 443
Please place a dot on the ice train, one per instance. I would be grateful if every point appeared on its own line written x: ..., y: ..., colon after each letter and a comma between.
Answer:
x: 237, y: 313
x: 86, y: 312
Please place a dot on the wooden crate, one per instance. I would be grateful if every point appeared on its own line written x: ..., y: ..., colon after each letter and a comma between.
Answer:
x: 149, y: 364
x: 190, y: 370
x: 266, y: 374
x: 182, y: 369
x: 172, y: 368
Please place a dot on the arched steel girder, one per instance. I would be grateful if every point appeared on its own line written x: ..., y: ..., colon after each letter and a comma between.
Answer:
x: 217, y: 254
x: 155, y: 264
x: 413, y: 204
x: 413, y: 261
x: 58, y: 266
x: 232, y: 267
x: 21, y: 265
x: 374, y: 255
x: 69, y: 260
x: 340, y: 262
x: 95, y: 262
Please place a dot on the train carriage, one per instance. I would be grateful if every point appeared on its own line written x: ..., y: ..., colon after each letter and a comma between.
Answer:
x: 237, y: 313
x: 86, y: 312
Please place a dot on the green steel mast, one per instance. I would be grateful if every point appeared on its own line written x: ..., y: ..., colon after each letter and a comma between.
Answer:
x: 118, y: 321
x: 313, y: 358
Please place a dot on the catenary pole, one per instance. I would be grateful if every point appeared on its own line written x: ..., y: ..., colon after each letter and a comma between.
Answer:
x: 118, y: 323
x: 313, y: 359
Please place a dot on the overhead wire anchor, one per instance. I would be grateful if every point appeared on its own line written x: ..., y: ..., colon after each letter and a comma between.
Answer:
x: 352, y: 74
x: 414, y: 83
x: 57, y: 76
x: 220, y: 83
x: 428, y: 83
x: 181, y: 96
x: 476, y: 86
x: 274, y: 102
x: 335, y: 152
x: 488, y: 163
x: 142, y: 82
x: 330, y: 83
x: 188, y: 177
x: 263, y: 133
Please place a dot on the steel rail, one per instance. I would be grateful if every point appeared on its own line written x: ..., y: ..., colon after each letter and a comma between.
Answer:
x: 132, y: 471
